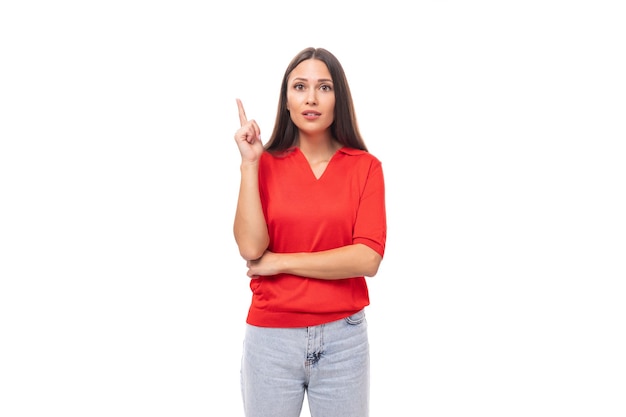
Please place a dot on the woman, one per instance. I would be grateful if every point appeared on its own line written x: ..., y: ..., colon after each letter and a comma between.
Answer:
x: 311, y: 224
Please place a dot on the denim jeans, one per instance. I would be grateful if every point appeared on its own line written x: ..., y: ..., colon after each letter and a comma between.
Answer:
x: 329, y: 362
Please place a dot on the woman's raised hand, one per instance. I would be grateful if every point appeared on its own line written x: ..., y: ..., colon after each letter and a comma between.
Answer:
x: 248, y: 137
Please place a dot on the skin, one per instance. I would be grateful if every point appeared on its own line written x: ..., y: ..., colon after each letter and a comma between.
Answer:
x: 310, y: 102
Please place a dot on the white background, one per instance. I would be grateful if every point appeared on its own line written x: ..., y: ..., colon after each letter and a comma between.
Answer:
x: 501, y: 128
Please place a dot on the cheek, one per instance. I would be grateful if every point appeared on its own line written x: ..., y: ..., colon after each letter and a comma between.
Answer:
x: 332, y: 110
x: 291, y: 100
x: 331, y: 105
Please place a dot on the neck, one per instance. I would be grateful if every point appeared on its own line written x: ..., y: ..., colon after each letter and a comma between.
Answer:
x: 318, y: 150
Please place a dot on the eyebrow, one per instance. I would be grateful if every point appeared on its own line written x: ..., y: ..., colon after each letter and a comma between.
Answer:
x: 321, y: 80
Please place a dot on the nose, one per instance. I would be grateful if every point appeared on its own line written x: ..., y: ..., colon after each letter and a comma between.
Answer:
x: 312, y: 96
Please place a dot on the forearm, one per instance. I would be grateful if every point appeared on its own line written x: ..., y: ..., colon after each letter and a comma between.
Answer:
x: 249, y: 228
x: 344, y: 262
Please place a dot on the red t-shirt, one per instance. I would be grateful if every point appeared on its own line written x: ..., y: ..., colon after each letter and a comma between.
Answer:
x: 345, y: 205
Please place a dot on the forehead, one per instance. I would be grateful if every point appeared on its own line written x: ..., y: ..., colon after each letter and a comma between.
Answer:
x: 310, y: 69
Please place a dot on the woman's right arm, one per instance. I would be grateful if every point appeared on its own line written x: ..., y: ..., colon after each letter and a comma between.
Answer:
x: 249, y: 228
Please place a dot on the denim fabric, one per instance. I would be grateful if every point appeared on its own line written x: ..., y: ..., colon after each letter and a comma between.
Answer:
x: 329, y: 362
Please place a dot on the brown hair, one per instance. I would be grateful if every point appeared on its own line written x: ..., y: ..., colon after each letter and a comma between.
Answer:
x: 344, y: 128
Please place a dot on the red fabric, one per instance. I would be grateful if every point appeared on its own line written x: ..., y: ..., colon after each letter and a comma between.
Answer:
x: 345, y: 205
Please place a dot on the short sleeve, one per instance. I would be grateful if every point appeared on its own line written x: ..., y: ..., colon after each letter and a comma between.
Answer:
x: 370, y: 227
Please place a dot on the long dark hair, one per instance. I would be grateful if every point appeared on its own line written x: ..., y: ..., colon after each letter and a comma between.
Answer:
x: 344, y: 128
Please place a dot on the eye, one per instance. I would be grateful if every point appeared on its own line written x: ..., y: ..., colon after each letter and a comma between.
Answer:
x: 298, y: 86
x: 326, y: 87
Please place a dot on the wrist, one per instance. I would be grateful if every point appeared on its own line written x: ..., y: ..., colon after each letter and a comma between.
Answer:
x: 249, y: 166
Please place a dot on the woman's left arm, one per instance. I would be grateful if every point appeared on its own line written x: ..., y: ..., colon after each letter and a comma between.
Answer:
x: 344, y: 262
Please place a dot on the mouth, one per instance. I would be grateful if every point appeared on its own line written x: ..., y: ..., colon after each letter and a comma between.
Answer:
x: 311, y: 114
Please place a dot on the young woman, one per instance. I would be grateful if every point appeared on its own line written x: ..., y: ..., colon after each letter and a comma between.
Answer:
x: 311, y: 224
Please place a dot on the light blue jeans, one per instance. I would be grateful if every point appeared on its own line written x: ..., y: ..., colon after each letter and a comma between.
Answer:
x: 329, y: 362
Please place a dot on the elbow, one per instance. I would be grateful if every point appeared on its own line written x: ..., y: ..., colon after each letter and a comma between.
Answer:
x: 372, y: 270
x: 250, y: 254
x: 251, y: 247
x: 253, y: 251
x: 372, y: 264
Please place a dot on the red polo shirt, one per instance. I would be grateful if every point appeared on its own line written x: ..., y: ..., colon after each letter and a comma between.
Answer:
x: 345, y: 205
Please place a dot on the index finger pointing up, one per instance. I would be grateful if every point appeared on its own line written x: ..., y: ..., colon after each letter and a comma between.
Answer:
x: 242, y: 113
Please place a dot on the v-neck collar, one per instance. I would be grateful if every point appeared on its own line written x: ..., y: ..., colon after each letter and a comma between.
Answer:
x: 308, y: 165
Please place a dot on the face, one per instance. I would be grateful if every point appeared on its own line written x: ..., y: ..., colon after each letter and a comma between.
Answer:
x: 311, y: 97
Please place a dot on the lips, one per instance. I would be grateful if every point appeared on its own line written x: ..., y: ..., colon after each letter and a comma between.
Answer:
x: 310, y: 114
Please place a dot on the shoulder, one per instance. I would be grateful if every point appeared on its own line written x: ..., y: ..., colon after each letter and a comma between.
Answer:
x: 359, y: 156
x: 273, y: 157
